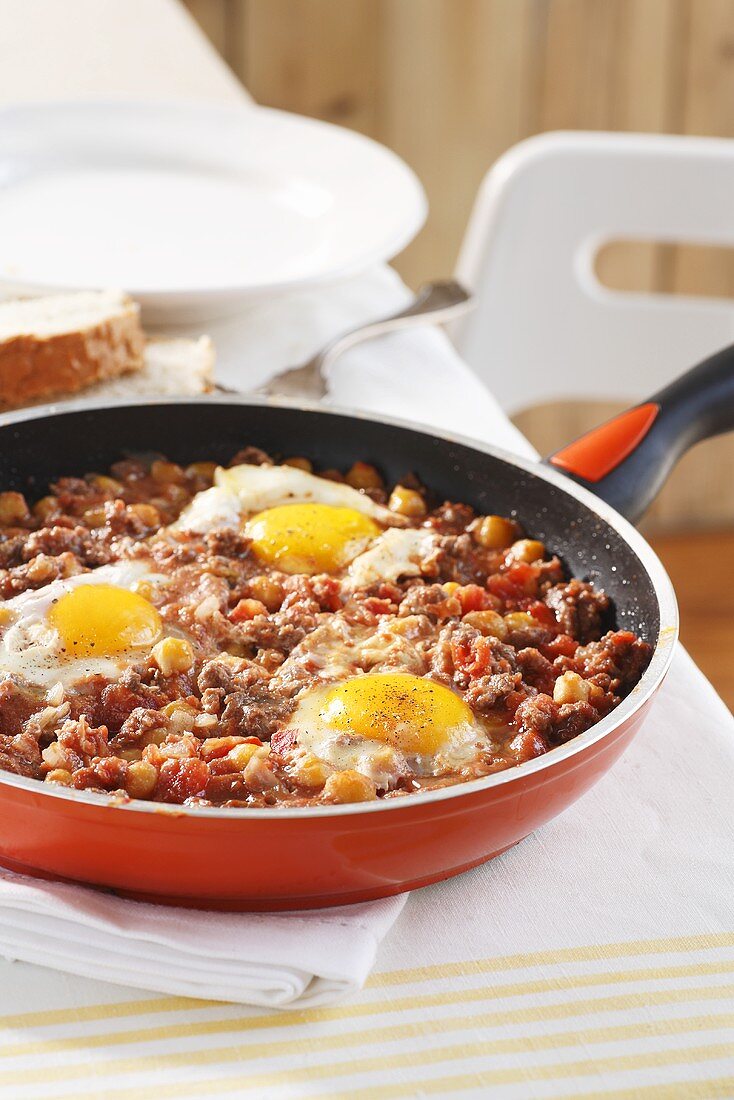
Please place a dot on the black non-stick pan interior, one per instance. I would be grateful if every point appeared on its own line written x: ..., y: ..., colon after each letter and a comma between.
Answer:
x: 35, y: 452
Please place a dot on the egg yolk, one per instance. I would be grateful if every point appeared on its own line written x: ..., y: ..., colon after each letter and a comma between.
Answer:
x: 101, y: 620
x: 310, y: 538
x: 407, y: 712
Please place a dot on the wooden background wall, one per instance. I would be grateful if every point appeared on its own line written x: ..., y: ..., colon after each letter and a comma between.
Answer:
x: 451, y: 84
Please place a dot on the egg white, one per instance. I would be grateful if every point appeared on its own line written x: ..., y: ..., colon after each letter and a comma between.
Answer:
x: 243, y: 491
x: 211, y: 510
x: 31, y: 649
x: 398, y: 552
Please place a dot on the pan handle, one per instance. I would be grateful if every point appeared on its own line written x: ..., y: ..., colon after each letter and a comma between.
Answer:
x: 626, y: 460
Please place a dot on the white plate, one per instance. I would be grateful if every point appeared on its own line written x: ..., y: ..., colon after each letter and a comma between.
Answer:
x: 192, y: 208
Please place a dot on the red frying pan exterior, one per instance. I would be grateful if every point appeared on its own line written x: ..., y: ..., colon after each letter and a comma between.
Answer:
x: 284, y: 858
x: 298, y: 861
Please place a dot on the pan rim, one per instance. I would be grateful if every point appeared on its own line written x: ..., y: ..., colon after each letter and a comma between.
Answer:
x: 650, y: 681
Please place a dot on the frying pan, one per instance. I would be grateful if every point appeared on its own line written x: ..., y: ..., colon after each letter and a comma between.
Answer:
x: 288, y: 858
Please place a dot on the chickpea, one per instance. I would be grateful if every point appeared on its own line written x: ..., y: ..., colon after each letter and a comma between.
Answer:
x: 300, y: 463
x: 167, y: 473
x: 520, y: 621
x: 95, y: 517
x: 13, y: 509
x: 526, y: 550
x: 141, y: 779
x: 268, y: 591
x: 203, y: 470
x: 147, y: 514
x: 155, y: 736
x: 131, y: 755
x: 173, y: 655
x: 349, y: 786
x: 107, y: 484
x: 175, y: 494
x: 493, y: 532
x: 407, y: 502
x: 45, y: 507
x: 60, y: 776
x: 488, y: 623
x: 181, y: 718
x: 241, y: 755
x: 572, y: 688
x: 204, y: 722
x: 312, y: 772
x: 364, y: 476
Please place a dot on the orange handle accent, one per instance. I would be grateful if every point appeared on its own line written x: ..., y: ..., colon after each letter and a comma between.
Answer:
x: 597, y: 453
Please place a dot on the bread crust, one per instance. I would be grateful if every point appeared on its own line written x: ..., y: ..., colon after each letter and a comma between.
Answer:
x: 33, y: 368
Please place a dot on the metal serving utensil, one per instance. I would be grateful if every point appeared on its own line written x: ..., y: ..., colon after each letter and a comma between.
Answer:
x: 438, y: 302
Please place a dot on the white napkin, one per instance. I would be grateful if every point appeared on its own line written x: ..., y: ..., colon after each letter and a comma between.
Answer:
x: 275, y: 960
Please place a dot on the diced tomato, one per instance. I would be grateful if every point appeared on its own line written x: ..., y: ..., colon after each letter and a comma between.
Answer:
x: 182, y: 779
x: 246, y: 610
x: 328, y: 592
x: 560, y: 646
x: 541, y: 613
x: 377, y: 606
x: 515, y: 583
x: 214, y: 747
x: 473, y: 657
x: 472, y: 598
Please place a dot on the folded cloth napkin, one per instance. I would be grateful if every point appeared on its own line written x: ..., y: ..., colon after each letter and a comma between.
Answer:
x: 278, y: 960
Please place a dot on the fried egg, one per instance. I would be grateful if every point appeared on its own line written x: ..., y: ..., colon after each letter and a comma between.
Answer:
x: 298, y: 523
x: 94, y: 623
x: 387, y: 724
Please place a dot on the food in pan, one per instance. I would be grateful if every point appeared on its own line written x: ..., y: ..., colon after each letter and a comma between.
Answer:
x: 261, y: 635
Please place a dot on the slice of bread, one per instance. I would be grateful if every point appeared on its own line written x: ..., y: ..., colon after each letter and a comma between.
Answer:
x: 64, y: 343
x: 173, y: 366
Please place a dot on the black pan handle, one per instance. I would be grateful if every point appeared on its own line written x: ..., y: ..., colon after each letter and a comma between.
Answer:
x: 627, y: 460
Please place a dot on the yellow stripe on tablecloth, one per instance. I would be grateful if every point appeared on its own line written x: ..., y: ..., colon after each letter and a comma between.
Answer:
x: 712, y: 1089
x: 110, y: 1010
x: 461, y: 996
x: 594, y: 953
x: 516, y: 1045
x: 155, y: 1005
x: 677, y: 1090
x: 547, y: 1072
x: 533, y: 1014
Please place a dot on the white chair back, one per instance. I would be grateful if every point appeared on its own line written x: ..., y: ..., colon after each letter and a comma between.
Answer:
x: 545, y: 328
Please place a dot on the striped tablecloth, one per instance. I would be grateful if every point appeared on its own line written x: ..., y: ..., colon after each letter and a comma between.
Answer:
x: 626, y: 1019
x: 594, y: 959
